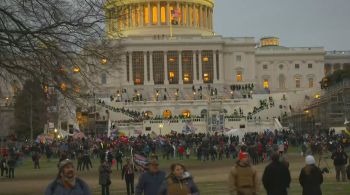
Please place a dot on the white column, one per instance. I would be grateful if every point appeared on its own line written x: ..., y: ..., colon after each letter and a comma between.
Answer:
x: 205, y: 25
x: 167, y: 12
x: 200, y: 16
x: 180, y: 68
x: 141, y: 10
x: 188, y: 16
x: 166, y: 80
x: 145, y: 80
x: 215, y: 67
x: 194, y: 67
x: 182, y: 15
x: 130, y: 17
x: 194, y: 15
x: 159, y: 15
x: 221, y: 67
x: 200, y: 67
x: 131, y: 79
x: 151, y: 67
x: 149, y: 14
x: 125, y: 57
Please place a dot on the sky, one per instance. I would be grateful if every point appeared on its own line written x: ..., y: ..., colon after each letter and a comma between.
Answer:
x: 298, y: 23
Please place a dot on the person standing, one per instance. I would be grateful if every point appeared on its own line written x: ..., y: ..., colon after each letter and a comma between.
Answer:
x: 276, y: 178
x: 243, y: 179
x: 128, y: 175
x: 149, y: 182
x: 179, y: 182
x: 311, y: 177
x: 36, y: 158
x: 11, y: 165
x: 4, y: 166
x: 104, y: 176
x: 67, y: 182
x: 340, y: 160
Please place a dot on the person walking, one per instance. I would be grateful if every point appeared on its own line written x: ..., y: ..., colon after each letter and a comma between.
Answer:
x: 128, y: 175
x: 276, y: 178
x: 67, y: 182
x: 311, y: 177
x: 149, y: 182
x: 179, y: 182
x: 243, y: 179
x: 104, y: 177
x: 340, y: 160
x: 36, y: 158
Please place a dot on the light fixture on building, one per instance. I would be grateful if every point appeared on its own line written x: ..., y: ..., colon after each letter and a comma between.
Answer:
x: 76, y: 69
x: 104, y: 61
x: 186, y: 77
x: 7, y: 98
x: 317, y: 96
x: 306, y: 111
x: 206, y: 77
x: 171, y: 60
x: 63, y: 86
x: 171, y: 75
x: 205, y: 59
x: 137, y: 81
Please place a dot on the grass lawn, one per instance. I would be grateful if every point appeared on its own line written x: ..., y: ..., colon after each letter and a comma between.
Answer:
x: 211, y: 177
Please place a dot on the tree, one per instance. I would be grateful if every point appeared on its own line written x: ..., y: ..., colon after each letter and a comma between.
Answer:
x: 55, y: 42
x: 30, y: 110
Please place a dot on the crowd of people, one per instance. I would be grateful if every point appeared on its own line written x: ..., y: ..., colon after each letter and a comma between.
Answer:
x: 250, y: 150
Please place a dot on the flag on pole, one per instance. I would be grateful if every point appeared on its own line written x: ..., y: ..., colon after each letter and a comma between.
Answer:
x: 175, y: 15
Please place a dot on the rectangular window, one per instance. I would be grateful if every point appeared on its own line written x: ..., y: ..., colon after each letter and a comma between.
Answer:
x: 158, y: 67
x: 297, y: 66
x: 173, y: 67
x: 266, y: 84
x: 207, y: 66
x: 238, y: 58
x: 187, y: 67
x: 146, y: 15
x: 154, y: 14
x: 297, y: 82
x: 309, y: 66
x: 265, y: 67
x: 239, y: 76
x: 311, y: 82
x: 163, y: 14
x: 138, y: 69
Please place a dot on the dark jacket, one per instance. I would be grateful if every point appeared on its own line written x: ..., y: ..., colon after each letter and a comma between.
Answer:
x: 128, y: 171
x: 57, y: 188
x: 276, y: 178
x: 149, y: 183
x: 174, y: 186
x: 311, y: 179
x: 104, y: 174
x: 339, y: 158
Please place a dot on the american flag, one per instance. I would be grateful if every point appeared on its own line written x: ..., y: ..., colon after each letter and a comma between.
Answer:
x: 175, y: 14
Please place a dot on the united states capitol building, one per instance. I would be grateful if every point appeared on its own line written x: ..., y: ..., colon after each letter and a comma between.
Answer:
x: 177, y: 74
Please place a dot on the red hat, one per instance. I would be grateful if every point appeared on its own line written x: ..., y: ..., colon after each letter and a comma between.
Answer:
x: 243, y: 155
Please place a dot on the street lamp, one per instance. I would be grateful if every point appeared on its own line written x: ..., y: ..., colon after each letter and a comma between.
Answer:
x: 55, y: 130
x: 160, y: 129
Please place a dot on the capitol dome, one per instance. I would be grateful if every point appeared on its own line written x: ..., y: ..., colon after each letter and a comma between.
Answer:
x: 159, y: 17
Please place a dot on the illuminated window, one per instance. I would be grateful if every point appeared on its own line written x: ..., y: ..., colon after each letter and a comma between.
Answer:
x: 163, y: 14
x: 297, y: 82
x: 187, y: 67
x: 208, y: 66
x: 191, y: 16
x: 311, y: 82
x: 146, y: 14
x: 167, y: 114
x: 186, y: 114
x: 171, y: 75
x: 184, y: 10
x: 154, y: 14
x: 173, y: 67
x: 266, y: 84
x: 239, y: 76
x: 138, y: 69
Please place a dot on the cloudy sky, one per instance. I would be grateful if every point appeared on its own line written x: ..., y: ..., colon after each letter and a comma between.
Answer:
x: 298, y: 23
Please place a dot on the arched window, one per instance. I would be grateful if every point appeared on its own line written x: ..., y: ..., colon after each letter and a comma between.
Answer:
x: 266, y: 84
x: 186, y: 114
x: 239, y: 76
x: 154, y: 14
x: 167, y: 114
x: 204, y: 113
